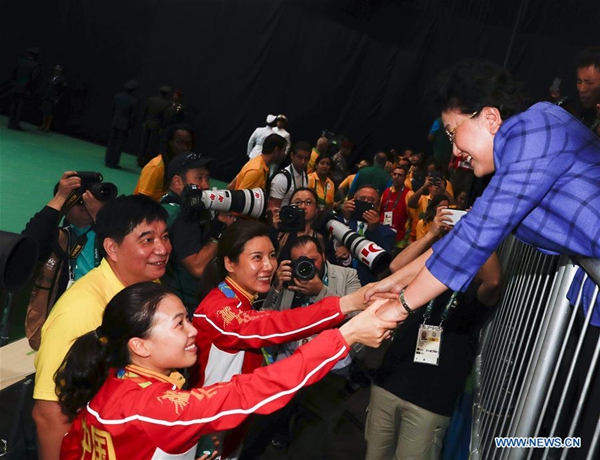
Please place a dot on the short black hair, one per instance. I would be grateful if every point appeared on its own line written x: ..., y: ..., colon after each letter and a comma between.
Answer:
x: 119, y: 217
x: 472, y: 84
x: 272, y: 142
x: 302, y: 145
x: 380, y: 158
x: 305, y: 239
x: 588, y: 57
x: 169, y: 134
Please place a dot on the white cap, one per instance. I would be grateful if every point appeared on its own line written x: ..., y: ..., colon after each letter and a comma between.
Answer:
x: 271, y: 118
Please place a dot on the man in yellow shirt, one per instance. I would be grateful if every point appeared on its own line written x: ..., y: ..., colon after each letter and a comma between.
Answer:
x: 255, y: 172
x: 322, y: 148
x: 131, y: 232
x: 152, y: 181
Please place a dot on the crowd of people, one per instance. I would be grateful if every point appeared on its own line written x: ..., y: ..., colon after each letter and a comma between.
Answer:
x: 254, y: 310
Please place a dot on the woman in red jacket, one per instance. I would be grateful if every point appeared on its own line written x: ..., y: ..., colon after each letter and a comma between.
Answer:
x: 118, y: 384
x: 233, y: 334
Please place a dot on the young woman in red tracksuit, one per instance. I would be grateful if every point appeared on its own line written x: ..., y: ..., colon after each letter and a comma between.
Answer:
x: 233, y: 335
x: 118, y: 385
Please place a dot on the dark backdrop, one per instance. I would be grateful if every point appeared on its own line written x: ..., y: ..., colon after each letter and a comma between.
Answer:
x: 358, y: 67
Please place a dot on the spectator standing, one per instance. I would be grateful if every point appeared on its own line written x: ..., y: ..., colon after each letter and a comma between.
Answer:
x: 132, y: 237
x: 25, y: 81
x: 152, y: 121
x: 285, y: 182
x: 375, y: 175
x: 53, y: 93
x: 255, y: 143
x: 153, y: 178
x: 320, y: 182
x: 255, y: 172
x: 394, y: 206
x: 588, y: 87
x: 124, y: 117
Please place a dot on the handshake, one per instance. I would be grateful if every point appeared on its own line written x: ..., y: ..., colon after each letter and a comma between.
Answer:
x: 380, y: 317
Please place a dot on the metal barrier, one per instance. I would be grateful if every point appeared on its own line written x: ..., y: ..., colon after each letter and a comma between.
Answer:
x: 529, y: 353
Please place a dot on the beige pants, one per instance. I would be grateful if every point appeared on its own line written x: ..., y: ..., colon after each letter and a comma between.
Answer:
x: 399, y: 430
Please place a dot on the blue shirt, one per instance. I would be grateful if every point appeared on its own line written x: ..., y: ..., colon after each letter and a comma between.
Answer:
x: 546, y: 190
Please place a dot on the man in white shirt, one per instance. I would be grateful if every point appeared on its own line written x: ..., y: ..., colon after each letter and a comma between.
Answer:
x: 280, y: 129
x: 259, y: 135
x: 285, y: 182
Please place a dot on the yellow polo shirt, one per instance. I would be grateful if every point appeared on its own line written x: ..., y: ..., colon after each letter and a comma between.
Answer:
x: 254, y: 174
x: 78, y: 311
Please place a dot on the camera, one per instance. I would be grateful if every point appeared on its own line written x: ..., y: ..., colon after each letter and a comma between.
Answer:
x: 292, y: 219
x: 436, y: 178
x: 367, y: 252
x: 360, y: 207
x: 303, y: 269
x: 248, y: 202
x: 92, y: 181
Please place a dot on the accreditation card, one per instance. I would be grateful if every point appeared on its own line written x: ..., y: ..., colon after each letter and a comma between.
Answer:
x: 429, y: 341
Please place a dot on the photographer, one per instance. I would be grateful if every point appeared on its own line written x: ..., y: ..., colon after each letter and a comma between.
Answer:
x: 361, y: 214
x: 417, y: 203
x: 324, y: 401
x: 57, y: 241
x: 305, y: 200
x: 193, y: 232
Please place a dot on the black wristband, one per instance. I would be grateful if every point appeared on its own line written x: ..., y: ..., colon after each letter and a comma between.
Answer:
x: 409, y: 310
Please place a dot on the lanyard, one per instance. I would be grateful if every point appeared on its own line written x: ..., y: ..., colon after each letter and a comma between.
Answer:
x: 452, y: 303
x: 395, y: 202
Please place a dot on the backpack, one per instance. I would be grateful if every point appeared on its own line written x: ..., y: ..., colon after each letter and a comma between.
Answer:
x: 288, y: 176
x: 45, y: 292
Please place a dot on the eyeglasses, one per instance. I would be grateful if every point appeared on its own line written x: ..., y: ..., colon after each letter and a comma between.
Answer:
x: 306, y: 203
x: 450, y: 134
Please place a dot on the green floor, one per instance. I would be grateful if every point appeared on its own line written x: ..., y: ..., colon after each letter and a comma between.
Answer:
x: 31, y: 163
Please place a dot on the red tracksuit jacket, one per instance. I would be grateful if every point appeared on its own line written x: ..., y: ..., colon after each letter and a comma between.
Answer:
x: 231, y: 333
x: 141, y: 415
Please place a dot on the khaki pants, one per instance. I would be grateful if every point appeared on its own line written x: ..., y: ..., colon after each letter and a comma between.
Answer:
x: 399, y: 430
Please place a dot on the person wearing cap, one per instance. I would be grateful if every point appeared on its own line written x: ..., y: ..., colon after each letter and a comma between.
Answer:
x: 259, y: 135
x: 282, y: 122
x: 194, y: 236
x: 52, y: 95
x: 153, y: 180
x: 152, y: 120
x: 25, y: 80
x: 124, y: 116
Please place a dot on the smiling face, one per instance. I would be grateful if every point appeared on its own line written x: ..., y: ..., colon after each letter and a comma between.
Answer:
x: 474, y: 137
x: 255, y: 266
x: 171, y: 343
x: 142, y: 255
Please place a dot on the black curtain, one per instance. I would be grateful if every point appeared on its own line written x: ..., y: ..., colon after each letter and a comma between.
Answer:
x: 358, y: 67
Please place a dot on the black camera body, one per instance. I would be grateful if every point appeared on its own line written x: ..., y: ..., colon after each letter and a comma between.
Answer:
x: 303, y: 269
x: 436, y: 178
x: 360, y: 207
x: 292, y: 219
x: 93, y: 181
